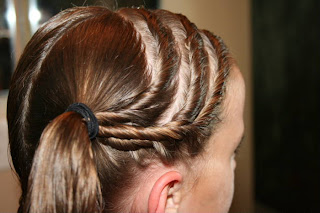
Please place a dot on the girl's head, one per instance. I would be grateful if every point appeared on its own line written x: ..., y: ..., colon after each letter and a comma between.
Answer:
x: 168, y: 99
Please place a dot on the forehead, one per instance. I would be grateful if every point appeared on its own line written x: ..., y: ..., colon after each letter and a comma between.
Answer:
x: 233, y: 103
x: 230, y: 130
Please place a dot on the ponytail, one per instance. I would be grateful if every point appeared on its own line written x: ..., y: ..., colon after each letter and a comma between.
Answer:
x: 63, y: 177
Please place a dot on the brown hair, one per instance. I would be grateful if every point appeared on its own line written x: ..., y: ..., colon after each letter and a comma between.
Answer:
x: 153, y: 80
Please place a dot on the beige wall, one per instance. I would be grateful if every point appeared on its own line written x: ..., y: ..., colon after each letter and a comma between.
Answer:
x: 9, y: 192
x: 9, y: 188
x: 229, y: 19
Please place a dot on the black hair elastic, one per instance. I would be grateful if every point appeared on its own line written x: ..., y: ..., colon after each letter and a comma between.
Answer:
x: 87, y: 114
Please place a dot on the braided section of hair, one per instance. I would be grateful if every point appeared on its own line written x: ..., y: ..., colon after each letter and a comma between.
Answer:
x: 155, y: 99
x: 224, y: 62
x: 122, y: 129
x: 198, y: 61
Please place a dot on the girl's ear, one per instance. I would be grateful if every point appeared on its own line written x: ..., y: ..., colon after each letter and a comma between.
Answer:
x: 165, y: 193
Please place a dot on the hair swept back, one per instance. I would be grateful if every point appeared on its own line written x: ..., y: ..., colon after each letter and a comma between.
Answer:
x: 152, y: 78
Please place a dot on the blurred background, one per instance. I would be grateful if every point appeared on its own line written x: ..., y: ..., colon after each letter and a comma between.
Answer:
x: 277, y: 47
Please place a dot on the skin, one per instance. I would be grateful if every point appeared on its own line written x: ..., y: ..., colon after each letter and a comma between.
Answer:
x: 209, y: 185
x: 213, y: 191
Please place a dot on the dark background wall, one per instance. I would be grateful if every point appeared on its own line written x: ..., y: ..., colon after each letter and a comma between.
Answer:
x: 286, y: 67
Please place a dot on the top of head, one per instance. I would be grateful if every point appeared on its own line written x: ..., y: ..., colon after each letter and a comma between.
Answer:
x: 153, y: 80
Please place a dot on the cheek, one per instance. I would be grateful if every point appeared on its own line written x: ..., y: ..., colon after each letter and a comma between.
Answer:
x: 219, y: 187
x: 227, y: 186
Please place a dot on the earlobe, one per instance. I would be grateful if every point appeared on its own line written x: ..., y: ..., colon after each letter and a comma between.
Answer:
x: 163, y: 192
